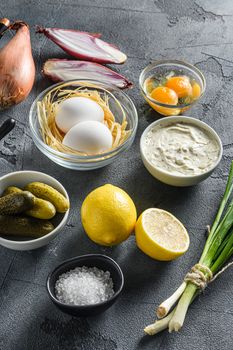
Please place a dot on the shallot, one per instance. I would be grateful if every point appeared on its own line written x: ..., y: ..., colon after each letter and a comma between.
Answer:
x: 17, y: 68
x: 84, y: 45
x: 62, y: 70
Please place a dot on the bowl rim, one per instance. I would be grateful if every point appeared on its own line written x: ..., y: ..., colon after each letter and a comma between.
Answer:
x: 88, y: 157
x: 89, y: 306
x: 174, y: 62
x: 57, y: 228
x: 194, y: 121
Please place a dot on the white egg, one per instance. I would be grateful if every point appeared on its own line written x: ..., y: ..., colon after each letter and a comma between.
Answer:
x: 91, y: 137
x: 75, y: 110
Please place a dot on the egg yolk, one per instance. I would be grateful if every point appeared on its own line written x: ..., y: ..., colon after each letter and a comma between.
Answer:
x: 196, y: 90
x: 165, y: 95
x: 181, y: 85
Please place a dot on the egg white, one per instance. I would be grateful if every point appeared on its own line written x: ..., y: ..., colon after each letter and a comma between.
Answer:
x: 90, y: 137
x: 75, y: 110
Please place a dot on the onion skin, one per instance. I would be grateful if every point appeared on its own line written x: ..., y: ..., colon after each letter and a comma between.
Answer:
x: 17, y: 68
x: 84, y: 45
x: 62, y: 70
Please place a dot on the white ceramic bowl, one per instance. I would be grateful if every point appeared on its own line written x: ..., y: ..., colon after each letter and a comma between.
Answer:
x: 20, y: 179
x: 179, y: 180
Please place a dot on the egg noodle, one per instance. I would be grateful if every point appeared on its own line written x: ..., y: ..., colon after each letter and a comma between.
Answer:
x: 47, y: 110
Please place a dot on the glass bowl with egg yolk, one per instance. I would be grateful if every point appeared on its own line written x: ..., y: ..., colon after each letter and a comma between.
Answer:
x: 171, y: 87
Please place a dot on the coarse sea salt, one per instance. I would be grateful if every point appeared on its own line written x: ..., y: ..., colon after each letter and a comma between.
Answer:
x: 84, y: 286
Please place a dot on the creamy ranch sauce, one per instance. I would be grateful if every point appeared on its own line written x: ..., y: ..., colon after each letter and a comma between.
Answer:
x: 181, y: 148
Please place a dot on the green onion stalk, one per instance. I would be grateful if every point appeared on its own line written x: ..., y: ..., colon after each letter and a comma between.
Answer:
x: 217, y: 251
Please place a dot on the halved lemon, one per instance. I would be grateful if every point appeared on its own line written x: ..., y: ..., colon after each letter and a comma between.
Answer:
x: 161, y: 235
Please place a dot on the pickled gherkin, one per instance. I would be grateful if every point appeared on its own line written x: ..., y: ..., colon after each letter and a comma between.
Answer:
x: 24, y: 226
x: 16, y: 203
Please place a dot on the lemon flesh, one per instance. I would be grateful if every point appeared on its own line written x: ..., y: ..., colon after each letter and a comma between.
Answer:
x: 108, y: 215
x: 161, y: 235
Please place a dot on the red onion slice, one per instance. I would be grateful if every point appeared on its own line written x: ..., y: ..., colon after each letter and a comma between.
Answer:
x: 84, y: 45
x: 62, y: 70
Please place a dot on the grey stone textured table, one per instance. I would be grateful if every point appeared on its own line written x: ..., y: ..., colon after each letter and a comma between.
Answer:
x: 199, y: 32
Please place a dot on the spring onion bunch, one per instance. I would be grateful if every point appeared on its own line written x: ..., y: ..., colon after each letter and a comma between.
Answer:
x: 218, y: 249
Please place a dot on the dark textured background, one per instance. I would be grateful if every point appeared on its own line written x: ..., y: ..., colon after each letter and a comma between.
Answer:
x: 199, y: 32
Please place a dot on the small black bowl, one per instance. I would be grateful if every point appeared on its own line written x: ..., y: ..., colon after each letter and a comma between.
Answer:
x: 100, y: 261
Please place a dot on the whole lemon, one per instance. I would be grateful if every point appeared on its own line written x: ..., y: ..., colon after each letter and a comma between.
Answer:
x: 108, y: 215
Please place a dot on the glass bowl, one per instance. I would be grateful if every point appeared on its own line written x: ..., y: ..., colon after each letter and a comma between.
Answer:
x: 88, y: 162
x: 161, y: 68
